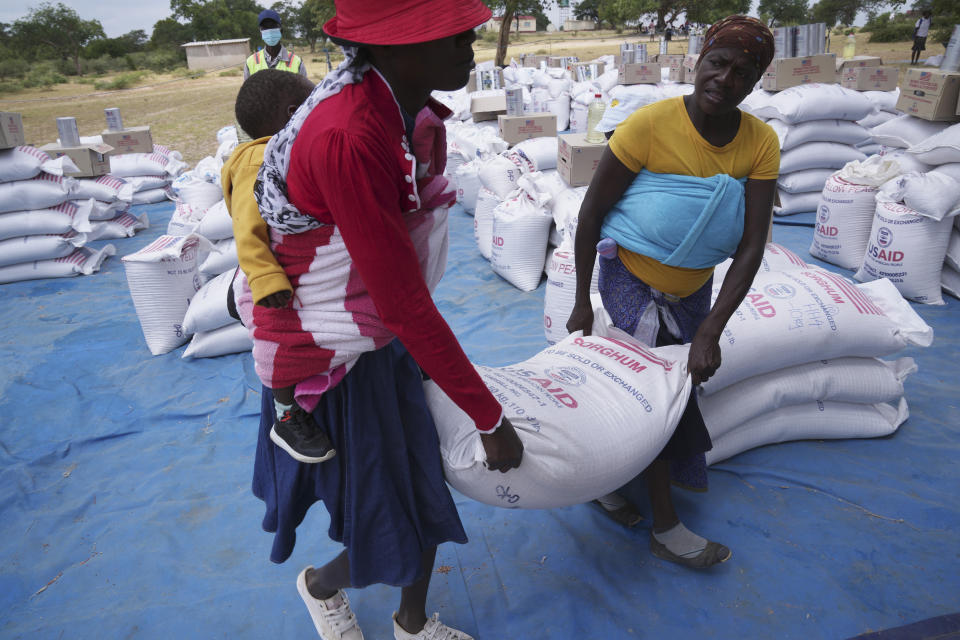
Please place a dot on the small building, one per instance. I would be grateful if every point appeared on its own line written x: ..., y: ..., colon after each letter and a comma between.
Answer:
x: 521, y: 24
x: 216, y: 54
x: 579, y: 25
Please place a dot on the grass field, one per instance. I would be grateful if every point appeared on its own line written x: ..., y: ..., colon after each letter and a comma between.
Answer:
x: 185, y: 113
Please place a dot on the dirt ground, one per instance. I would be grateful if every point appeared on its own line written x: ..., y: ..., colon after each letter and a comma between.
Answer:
x: 185, y: 114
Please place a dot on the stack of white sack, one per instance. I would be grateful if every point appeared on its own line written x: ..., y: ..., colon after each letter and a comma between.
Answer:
x: 846, y: 210
x: 149, y: 174
x: 468, y: 147
x: 818, y: 133
x: 912, y: 239
x: 44, y: 225
x: 885, y: 103
x: 215, y: 332
x: 520, y: 233
x: 630, y: 396
x: 800, y: 359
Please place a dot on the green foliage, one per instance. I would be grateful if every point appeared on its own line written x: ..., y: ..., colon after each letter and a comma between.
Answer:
x: 588, y: 10
x: 219, y: 19
x: 122, y: 81
x: 946, y: 14
x: 116, y: 47
x: 778, y: 13
x: 55, y: 30
x: 887, y: 28
x: 710, y: 11
x: 43, y: 74
x: 169, y: 32
x: 10, y: 86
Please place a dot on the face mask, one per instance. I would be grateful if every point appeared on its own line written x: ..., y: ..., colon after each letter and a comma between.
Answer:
x: 270, y: 36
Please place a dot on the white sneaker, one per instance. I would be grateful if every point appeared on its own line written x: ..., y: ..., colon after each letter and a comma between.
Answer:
x: 433, y: 630
x: 332, y: 617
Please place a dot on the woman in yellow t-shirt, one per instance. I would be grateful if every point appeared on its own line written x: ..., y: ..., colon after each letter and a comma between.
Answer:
x: 652, y: 291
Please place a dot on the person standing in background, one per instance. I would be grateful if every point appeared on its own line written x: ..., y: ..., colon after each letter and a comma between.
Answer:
x: 920, y: 31
x: 274, y: 55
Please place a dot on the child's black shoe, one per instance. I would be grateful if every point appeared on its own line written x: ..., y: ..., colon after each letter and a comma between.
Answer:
x: 298, y: 434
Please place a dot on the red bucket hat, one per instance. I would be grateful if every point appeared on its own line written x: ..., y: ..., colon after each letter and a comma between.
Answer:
x: 388, y: 22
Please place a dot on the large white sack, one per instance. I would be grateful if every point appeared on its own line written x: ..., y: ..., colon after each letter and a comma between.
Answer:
x: 145, y: 183
x: 162, y: 278
x: 199, y: 194
x: 906, y: 161
x: 151, y: 196
x: 560, y: 294
x: 566, y: 211
x: 951, y: 169
x: 145, y: 164
x: 233, y: 338
x: 592, y: 413
x: 578, y: 117
x: 942, y: 148
x: 39, y: 247
x: 797, y: 316
x: 83, y: 261
x: 859, y: 380
x: 23, y: 163
x: 905, y: 131
x: 846, y: 209
x: 500, y: 174
x: 791, y: 203
x: 215, y: 221
x: 487, y: 201
x: 908, y: 249
x: 124, y: 225
x: 103, y: 188
x: 103, y: 210
x: 222, y: 256
x: 467, y: 179
x: 537, y: 103
x: 183, y: 221
x: 875, y: 119
x: 840, y: 131
x: 775, y: 258
x: 953, y: 250
x: 818, y: 155
x: 559, y: 86
x: 208, y: 308
x: 550, y: 183
x: 933, y: 194
x: 42, y: 192
x: 949, y: 280
x: 886, y: 101
x: 622, y: 104
x: 63, y: 218
x: 521, y: 227
x: 608, y: 79
x: 816, y: 102
x: 538, y: 153
x: 811, y: 421
x: 560, y: 107
x: 803, y: 181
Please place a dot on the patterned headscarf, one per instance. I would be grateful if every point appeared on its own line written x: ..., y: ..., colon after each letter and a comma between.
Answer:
x: 741, y: 32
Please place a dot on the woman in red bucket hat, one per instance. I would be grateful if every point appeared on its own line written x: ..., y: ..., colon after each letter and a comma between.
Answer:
x: 354, y: 194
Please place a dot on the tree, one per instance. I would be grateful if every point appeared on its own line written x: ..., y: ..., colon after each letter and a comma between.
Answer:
x: 57, y: 29
x: 508, y: 10
x: 116, y: 47
x: 710, y: 11
x: 219, y: 19
x: 588, y: 10
x: 619, y: 12
x: 778, y: 13
x: 169, y: 32
x: 311, y: 17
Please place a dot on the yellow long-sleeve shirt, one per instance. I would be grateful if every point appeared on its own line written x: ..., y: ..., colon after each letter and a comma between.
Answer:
x: 264, y: 273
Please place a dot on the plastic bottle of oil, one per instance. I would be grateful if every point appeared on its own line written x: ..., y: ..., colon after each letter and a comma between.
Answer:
x: 594, y: 116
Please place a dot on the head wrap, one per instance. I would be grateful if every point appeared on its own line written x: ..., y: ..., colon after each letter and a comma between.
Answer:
x: 744, y: 33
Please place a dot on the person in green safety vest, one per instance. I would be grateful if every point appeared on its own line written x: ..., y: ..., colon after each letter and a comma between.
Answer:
x: 274, y: 55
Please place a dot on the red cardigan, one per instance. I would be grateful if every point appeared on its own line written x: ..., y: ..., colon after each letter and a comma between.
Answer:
x: 351, y: 165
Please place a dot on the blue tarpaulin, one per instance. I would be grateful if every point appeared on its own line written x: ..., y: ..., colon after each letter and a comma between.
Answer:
x: 126, y: 511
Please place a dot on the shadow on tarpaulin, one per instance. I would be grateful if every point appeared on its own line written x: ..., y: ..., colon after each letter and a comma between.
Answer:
x: 126, y: 512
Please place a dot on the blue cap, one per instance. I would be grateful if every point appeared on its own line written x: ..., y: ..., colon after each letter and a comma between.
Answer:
x: 268, y: 14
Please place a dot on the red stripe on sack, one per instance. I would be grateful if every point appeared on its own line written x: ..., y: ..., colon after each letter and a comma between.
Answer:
x: 857, y: 297
x: 666, y: 364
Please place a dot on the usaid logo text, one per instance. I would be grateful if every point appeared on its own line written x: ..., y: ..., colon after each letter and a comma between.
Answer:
x: 884, y: 236
x: 780, y: 291
x: 570, y: 376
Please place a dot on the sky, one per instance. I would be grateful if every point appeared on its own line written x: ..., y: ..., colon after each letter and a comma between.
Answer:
x: 117, y: 16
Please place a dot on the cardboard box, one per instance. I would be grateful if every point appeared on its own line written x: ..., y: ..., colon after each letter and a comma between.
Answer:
x: 488, y: 107
x: 129, y: 140
x: 930, y: 95
x: 784, y: 73
x: 488, y: 79
x: 561, y: 62
x: 11, y: 130
x: 577, y: 159
x: 91, y: 159
x: 533, y: 61
x: 639, y: 73
x: 514, y: 129
x: 586, y: 71
x: 670, y: 60
x: 870, y: 78
x: 843, y: 64
x: 690, y: 67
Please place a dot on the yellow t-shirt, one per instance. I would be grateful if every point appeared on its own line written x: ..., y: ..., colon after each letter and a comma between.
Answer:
x: 264, y: 274
x: 661, y: 138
